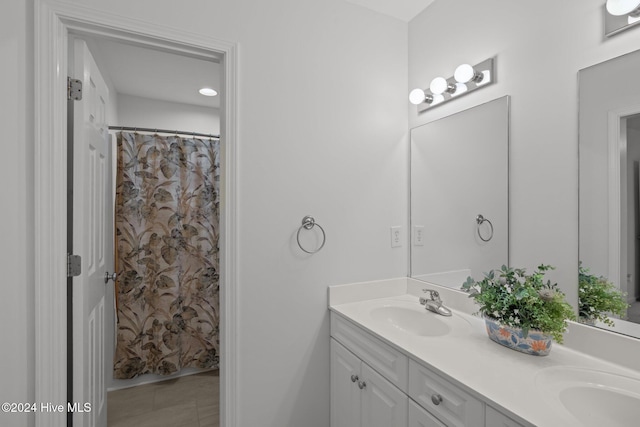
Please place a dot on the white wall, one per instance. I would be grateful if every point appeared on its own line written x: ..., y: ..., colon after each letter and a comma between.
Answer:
x: 539, y: 49
x: 322, y: 123
x: 17, y: 357
x: 152, y: 113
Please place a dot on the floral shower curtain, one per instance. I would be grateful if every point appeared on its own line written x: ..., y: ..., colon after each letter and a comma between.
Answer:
x: 167, y: 225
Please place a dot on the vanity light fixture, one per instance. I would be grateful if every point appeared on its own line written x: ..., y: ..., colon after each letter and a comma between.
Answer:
x: 466, y: 78
x: 620, y: 15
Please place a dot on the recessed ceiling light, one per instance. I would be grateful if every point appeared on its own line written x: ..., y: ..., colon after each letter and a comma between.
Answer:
x: 207, y: 91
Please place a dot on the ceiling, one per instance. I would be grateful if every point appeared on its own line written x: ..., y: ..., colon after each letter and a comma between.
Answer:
x: 165, y: 76
x: 404, y: 10
x: 156, y: 74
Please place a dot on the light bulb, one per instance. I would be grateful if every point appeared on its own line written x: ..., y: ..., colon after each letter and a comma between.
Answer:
x: 460, y: 89
x: 207, y: 91
x: 437, y: 99
x: 464, y: 73
x: 438, y: 85
x: 622, y: 7
x: 417, y: 96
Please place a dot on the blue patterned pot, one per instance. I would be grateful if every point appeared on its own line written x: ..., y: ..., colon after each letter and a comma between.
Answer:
x: 536, y: 343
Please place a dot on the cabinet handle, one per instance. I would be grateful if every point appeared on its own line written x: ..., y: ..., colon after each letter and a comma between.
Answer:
x: 362, y: 384
x: 354, y: 378
x: 436, y: 399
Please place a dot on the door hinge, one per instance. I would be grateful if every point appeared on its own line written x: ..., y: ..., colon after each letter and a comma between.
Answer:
x: 74, y: 89
x: 74, y: 265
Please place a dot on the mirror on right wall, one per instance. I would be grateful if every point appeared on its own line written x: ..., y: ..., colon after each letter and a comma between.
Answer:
x: 609, y: 194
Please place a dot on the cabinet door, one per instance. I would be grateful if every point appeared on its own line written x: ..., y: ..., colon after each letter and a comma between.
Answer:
x: 346, y: 397
x: 418, y: 417
x: 383, y: 404
x: 496, y: 419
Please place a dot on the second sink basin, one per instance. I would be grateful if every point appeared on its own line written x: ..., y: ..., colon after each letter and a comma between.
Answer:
x: 593, y: 398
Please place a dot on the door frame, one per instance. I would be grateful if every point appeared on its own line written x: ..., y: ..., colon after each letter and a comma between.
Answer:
x: 54, y: 21
x: 617, y: 189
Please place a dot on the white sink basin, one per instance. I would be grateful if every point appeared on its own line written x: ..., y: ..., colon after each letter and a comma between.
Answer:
x: 413, y: 319
x: 592, y: 398
x: 414, y: 322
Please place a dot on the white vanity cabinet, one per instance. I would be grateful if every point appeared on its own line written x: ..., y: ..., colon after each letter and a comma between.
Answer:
x: 360, y: 397
x: 373, y: 384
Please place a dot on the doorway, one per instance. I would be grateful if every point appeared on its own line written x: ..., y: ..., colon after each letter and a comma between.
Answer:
x: 54, y: 23
x: 147, y: 91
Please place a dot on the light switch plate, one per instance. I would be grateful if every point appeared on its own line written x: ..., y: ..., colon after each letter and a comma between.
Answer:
x: 396, y: 236
x: 418, y: 235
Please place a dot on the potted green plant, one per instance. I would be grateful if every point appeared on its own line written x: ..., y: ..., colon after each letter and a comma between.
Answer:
x: 598, y: 298
x: 521, y: 311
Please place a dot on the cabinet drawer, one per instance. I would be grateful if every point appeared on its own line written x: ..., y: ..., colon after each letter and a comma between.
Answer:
x: 418, y: 417
x: 450, y: 404
x: 497, y: 419
x: 388, y: 361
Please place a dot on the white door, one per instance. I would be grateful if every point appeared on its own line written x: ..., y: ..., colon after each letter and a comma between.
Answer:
x: 345, y: 394
x: 92, y: 238
x: 383, y: 404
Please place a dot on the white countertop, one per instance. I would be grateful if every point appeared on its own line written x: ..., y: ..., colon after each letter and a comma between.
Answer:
x: 504, y: 378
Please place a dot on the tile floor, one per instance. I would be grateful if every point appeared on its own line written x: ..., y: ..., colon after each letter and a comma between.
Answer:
x: 190, y: 401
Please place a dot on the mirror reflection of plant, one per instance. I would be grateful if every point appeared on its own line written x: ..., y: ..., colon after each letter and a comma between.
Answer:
x: 598, y: 298
x: 517, y: 299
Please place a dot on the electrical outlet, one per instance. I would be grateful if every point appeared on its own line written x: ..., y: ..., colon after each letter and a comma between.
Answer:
x: 418, y: 235
x: 396, y: 236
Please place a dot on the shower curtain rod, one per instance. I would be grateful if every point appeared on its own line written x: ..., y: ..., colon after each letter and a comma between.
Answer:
x: 175, y: 132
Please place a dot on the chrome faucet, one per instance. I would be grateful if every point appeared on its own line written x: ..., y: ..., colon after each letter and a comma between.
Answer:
x: 434, y: 303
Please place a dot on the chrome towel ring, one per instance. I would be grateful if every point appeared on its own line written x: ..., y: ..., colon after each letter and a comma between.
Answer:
x: 480, y: 219
x: 308, y: 222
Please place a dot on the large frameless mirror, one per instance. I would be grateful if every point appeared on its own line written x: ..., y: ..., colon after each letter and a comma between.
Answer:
x: 609, y: 147
x: 459, y: 195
